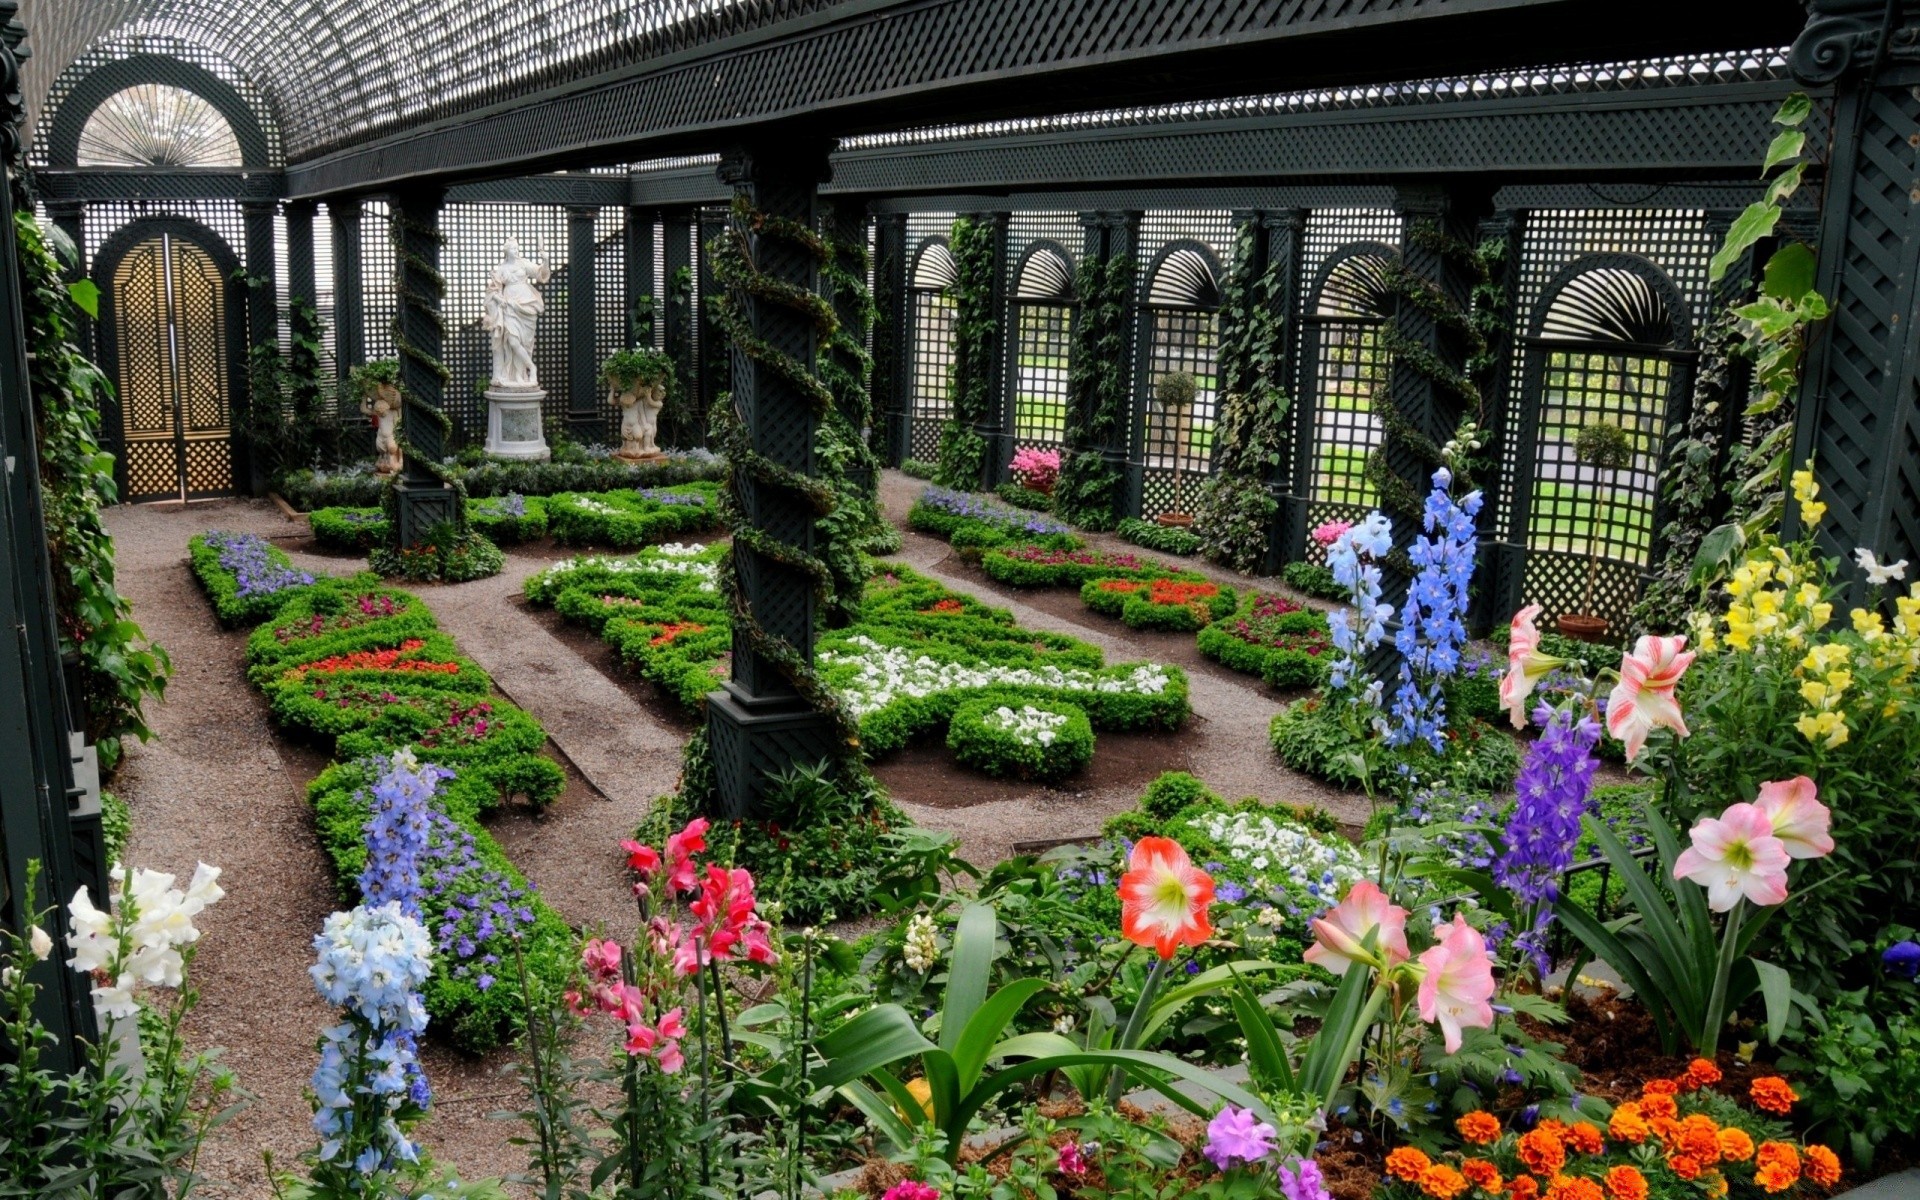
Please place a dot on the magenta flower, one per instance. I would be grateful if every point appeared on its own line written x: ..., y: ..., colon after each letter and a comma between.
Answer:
x: 1235, y: 1137
x: 1736, y: 856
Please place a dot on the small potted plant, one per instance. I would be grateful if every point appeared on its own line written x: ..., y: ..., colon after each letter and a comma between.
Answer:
x: 1605, y: 447
x: 1175, y: 392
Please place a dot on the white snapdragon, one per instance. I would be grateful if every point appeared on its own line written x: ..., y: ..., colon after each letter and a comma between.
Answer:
x: 137, y: 939
x: 40, y: 943
x: 1029, y: 726
x: 883, y: 674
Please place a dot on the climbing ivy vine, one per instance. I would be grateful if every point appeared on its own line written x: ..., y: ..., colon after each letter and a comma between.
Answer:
x: 963, y: 452
x: 1099, y: 384
x: 119, y: 668
x: 1236, y: 508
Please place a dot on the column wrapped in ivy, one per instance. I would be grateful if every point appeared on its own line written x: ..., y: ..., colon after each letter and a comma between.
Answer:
x: 970, y: 441
x: 1100, y: 380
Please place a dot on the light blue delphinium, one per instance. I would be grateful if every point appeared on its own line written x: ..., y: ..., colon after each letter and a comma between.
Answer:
x: 1432, y: 622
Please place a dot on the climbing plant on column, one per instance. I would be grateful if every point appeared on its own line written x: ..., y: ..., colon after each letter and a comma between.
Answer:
x: 842, y: 445
x: 1236, y: 509
x: 963, y: 452
x: 1099, y: 386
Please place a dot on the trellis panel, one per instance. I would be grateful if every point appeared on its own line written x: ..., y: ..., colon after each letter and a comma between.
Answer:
x: 1173, y: 454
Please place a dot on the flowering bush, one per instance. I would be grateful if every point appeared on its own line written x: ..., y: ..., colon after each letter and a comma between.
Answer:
x: 1172, y: 604
x: 1165, y: 539
x: 637, y: 518
x: 1031, y: 565
x: 1047, y: 741
x: 445, y: 554
x: 1036, y: 469
x: 1273, y: 637
x: 245, y: 576
x: 695, y: 563
x: 942, y: 513
x: 1277, y: 867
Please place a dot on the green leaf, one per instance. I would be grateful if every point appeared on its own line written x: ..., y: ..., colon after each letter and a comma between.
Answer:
x: 1717, y: 549
x: 1266, y: 1058
x: 1319, y: 1070
x: 1776, y: 988
x: 1794, y: 110
x: 1786, y: 144
x: 1789, y: 273
x: 877, y: 1110
x: 1785, y: 184
x: 1749, y: 227
x: 1612, y: 951
x: 882, y: 1035
x: 967, y: 970
x: 85, y: 295
x: 984, y: 1028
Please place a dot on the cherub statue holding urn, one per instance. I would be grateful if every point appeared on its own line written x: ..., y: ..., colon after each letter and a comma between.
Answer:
x: 378, y: 385
x: 637, y: 383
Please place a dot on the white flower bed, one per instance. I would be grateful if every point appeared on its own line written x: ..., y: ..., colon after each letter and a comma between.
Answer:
x: 884, y: 673
x: 670, y: 559
x: 589, y: 504
x: 1029, y: 726
x: 1278, y: 855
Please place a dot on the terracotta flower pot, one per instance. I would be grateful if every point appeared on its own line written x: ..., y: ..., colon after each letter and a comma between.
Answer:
x: 1581, y: 627
x: 1175, y: 520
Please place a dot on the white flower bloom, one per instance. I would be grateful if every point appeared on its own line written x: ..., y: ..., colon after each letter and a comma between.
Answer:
x: 875, y: 675
x: 1878, y: 575
x: 922, y: 950
x: 41, y: 943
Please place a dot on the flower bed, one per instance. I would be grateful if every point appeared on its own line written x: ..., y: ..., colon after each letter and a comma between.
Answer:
x: 1273, y: 637
x: 914, y: 655
x: 502, y: 520
x: 627, y: 519
x: 1047, y: 741
x: 941, y: 512
x: 1180, y: 605
x: 245, y: 576
x: 349, y: 529
x: 1034, y: 565
x: 1162, y: 538
x: 365, y: 670
x: 358, y: 486
x: 449, y: 556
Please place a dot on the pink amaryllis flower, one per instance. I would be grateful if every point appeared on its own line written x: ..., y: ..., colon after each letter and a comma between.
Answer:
x: 1339, y: 936
x: 1799, y: 820
x: 1526, y: 666
x: 1457, y: 990
x: 1643, y: 700
x: 1164, y: 897
x: 1736, y: 856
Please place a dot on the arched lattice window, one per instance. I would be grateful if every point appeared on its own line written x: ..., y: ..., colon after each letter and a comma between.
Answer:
x: 932, y: 347
x: 1181, y: 325
x: 157, y: 125
x: 1043, y: 300
x: 1346, y: 365
x: 1610, y: 346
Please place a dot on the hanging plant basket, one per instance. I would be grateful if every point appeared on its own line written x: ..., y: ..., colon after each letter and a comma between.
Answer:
x: 1175, y: 520
x: 1582, y: 628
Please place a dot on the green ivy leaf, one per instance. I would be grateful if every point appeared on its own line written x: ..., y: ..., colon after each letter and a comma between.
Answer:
x: 1786, y: 144
x: 1749, y: 227
x: 1789, y: 273
x: 1785, y: 184
x: 1794, y: 110
x: 85, y: 295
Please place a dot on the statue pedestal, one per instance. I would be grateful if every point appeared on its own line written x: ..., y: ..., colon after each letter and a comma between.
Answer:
x: 515, y: 425
x: 640, y: 459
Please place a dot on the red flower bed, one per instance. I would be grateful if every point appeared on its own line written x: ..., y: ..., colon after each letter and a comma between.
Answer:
x: 375, y: 660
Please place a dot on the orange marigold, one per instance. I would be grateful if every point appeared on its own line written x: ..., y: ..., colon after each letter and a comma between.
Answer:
x: 1772, y: 1093
x: 1573, y: 1187
x: 1660, y: 1087
x: 1482, y: 1174
x: 1479, y: 1127
x: 1716, y: 1186
x: 1408, y: 1163
x: 1776, y: 1166
x: 1626, y: 1183
x: 1627, y: 1125
x: 1523, y: 1187
x: 1659, y: 1107
x: 1735, y: 1145
x: 1699, y: 1073
x: 1684, y: 1165
x: 1585, y: 1137
x: 1822, y: 1166
x: 1698, y: 1137
x: 1542, y: 1151
x: 1442, y: 1182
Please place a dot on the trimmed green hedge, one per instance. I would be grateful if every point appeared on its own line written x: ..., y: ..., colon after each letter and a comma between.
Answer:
x: 1152, y: 536
x: 624, y: 520
x: 1134, y: 602
x: 1024, y: 497
x: 361, y: 529
x: 1030, y: 564
x: 360, y: 488
x: 988, y: 736
x: 365, y: 713
x: 1310, y: 736
x: 1272, y: 637
x: 234, y: 601
x: 1313, y: 579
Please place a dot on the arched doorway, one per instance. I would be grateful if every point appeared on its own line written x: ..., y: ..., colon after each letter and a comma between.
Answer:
x: 172, y: 337
x: 931, y: 347
x: 1180, y: 329
x: 1043, y: 303
x: 1345, y: 363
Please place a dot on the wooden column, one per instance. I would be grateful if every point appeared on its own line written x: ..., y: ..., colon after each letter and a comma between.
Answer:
x: 639, y: 283
x: 759, y: 724
x: 349, y: 295
x: 419, y: 333
x: 586, y: 416
x: 891, y: 360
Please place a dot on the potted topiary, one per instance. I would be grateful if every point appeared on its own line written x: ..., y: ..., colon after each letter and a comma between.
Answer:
x: 1175, y: 392
x: 1605, y: 447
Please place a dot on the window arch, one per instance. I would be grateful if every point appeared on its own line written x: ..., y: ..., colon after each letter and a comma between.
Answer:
x: 1180, y: 326
x: 1043, y: 305
x: 1345, y: 364
x: 125, y: 84
x: 1609, y: 344
x: 157, y: 125
x: 931, y: 347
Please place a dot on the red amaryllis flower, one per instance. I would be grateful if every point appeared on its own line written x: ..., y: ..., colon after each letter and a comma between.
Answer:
x: 1164, y: 897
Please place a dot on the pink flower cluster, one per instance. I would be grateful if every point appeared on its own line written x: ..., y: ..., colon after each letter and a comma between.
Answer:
x: 1455, y: 975
x: 1036, y: 469
x: 1744, y: 852
x: 609, y: 992
x: 1328, y: 532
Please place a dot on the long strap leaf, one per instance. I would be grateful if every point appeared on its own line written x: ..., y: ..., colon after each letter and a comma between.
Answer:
x: 1609, y: 949
x: 967, y: 971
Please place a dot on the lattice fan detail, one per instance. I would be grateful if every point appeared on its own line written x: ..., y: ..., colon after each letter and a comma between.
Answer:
x: 1184, y: 280
x: 1356, y: 284
x: 1045, y: 276
x: 1609, y: 304
x: 934, y: 269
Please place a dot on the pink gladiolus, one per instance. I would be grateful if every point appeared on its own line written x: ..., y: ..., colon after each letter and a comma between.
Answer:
x: 1736, y: 855
x: 1799, y: 820
x: 1339, y: 936
x: 1643, y: 700
x: 1526, y: 666
x: 1457, y: 990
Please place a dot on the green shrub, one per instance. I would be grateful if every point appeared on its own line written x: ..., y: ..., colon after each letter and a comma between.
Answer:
x: 359, y: 487
x: 508, y: 520
x: 1273, y: 637
x: 445, y: 555
x: 341, y: 617
x: 625, y: 520
x: 917, y: 468
x: 1044, y: 740
x: 1032, y: 564
x: 352, y: 529
x: 1172, y: 791
x: 1313, y: 579
x: 243, y: 602
x: 1024, y: 497
x: 1153, y: 536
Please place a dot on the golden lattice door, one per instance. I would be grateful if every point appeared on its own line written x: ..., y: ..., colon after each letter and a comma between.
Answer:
x: 170, y: 327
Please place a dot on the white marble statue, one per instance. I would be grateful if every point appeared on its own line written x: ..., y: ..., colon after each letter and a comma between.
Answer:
x: 382, y: 403
x: 640, y: 405
x: 513, y: 306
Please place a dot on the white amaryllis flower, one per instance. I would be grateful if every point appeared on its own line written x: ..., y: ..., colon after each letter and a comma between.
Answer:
x: 1878, y: 575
